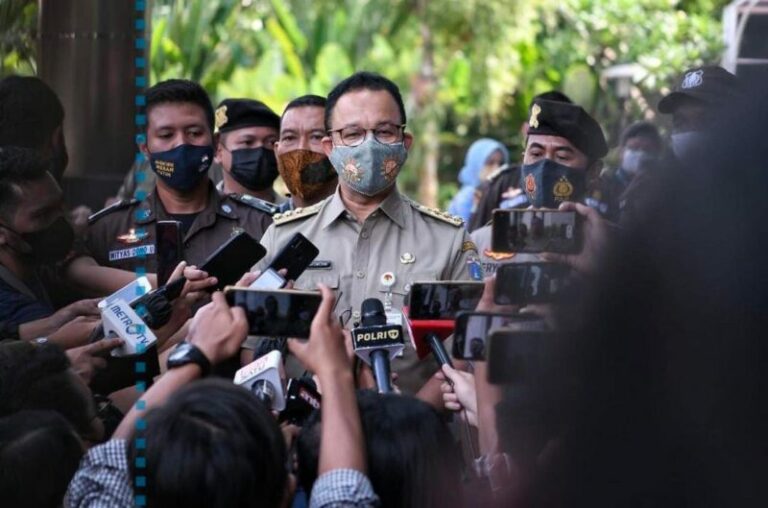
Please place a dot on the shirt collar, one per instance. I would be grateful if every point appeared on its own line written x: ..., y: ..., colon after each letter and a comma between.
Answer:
x: 393, y: 207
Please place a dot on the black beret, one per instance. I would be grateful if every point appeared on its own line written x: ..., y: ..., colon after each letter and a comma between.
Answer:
x: 710, y: 85
x: 555, y: 118
x: 232, y: 114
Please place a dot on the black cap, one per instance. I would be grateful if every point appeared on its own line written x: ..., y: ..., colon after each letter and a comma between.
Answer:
x: 232, y: 114
x: 710, y: 85
x: 555, y: 118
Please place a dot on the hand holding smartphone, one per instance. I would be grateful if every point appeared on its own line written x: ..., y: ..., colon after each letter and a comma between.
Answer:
x: 294, y: 258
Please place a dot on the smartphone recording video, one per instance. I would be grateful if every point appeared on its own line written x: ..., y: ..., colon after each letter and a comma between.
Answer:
x: 533, y: 231
x: 276, y: 313
x: 443, y: 300
x: 529, y: 283
x: 471, y: 330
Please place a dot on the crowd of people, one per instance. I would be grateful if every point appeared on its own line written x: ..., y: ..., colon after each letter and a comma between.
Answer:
x: 647, y: 388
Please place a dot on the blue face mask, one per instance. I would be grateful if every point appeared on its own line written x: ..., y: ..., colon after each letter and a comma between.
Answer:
x: 369, y: 168
x: 684, y: 143
x: 547, y: 183
x: 183, y: 167
x: 635, y: 160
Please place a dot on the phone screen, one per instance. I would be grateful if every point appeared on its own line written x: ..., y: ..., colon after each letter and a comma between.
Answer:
x: 168, y: 247
x: 526, y: 283
x: 443, y: 300
x: 276, y: 313
x: 269, y: 279
x: 471, y: 330
x: 534, y: 231
x: 233, y: 259
x: 295, y: 257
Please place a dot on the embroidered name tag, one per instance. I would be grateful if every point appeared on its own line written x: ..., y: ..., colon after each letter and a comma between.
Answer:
x: 319, y: 264
x: 133, y: 252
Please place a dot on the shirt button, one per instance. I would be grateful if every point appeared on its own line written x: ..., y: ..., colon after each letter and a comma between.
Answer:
x: 407, y: 288
x: 360, y: 274
x: 356, y: 315
x: 365, y: 234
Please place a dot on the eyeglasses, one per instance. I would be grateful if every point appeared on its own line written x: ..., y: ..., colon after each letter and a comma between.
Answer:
x: 385, y: 133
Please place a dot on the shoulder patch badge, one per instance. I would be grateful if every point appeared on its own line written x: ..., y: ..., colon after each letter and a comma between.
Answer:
x: 469, y: 246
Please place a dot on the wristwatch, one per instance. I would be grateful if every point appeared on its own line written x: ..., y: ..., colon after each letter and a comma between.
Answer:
x: 186, y: 353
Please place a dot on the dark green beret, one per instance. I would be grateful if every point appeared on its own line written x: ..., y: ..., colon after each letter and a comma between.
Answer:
x: 233, y: 114
x: 554, y: 118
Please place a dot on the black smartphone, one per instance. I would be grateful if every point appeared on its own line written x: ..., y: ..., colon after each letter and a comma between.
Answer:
x: 168, y: 248
x: 535, y: 231
x: 526, y: 283
x: 294, y: 257
x: 443, y: 300
x: 230, y: 261
x: 276, y: 313
x: 473, y: 328
x: 301, y: 400
x: 121, y: 371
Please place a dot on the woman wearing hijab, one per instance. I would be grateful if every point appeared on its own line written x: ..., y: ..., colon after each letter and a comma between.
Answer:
x: 483, y: 157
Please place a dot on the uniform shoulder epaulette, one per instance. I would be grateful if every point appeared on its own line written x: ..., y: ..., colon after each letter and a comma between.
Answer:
x: 451, y: 219
x: 254, y: 202
x: 498, y: 172
x: 299, y: 213
x: 124, y: 203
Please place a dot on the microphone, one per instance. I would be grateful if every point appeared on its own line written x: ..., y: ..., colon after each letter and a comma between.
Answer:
x: 265, y: 378
x: 376, y: 342
x: 301, y: 399
x: 120, y: 320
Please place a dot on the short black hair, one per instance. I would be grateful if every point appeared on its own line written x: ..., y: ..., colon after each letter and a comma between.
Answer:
x: 641, y: 129
x: 412, y: 458
x: 17, y: 167
x: 306, y: 101
x: 37, y: 376
x: 363, y: 80
x: 30, y: 111
x: 39, y: 455
x: 231, y: 449
x: 178, y: 91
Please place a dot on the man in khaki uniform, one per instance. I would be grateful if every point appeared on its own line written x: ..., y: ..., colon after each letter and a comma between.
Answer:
x: 373, y: 241
x: 563, y: 149
x: 179, y: 146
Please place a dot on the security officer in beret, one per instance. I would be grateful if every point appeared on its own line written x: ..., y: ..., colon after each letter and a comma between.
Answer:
x: 564, y: 148
x: 179, y: 147
x: 502, y: 189
x: 246, y: 132
x: 375, y: 242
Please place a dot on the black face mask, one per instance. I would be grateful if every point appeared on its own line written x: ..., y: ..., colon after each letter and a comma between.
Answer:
x: 254, y: 168
x: 547, y: 183
x: 50, y: 244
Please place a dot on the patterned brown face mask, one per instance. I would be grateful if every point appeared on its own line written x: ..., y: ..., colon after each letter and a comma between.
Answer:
x: 305, y: 172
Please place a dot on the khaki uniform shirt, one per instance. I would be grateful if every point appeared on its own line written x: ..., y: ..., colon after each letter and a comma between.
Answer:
x: 401, y: 237
x: 123, y: 235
